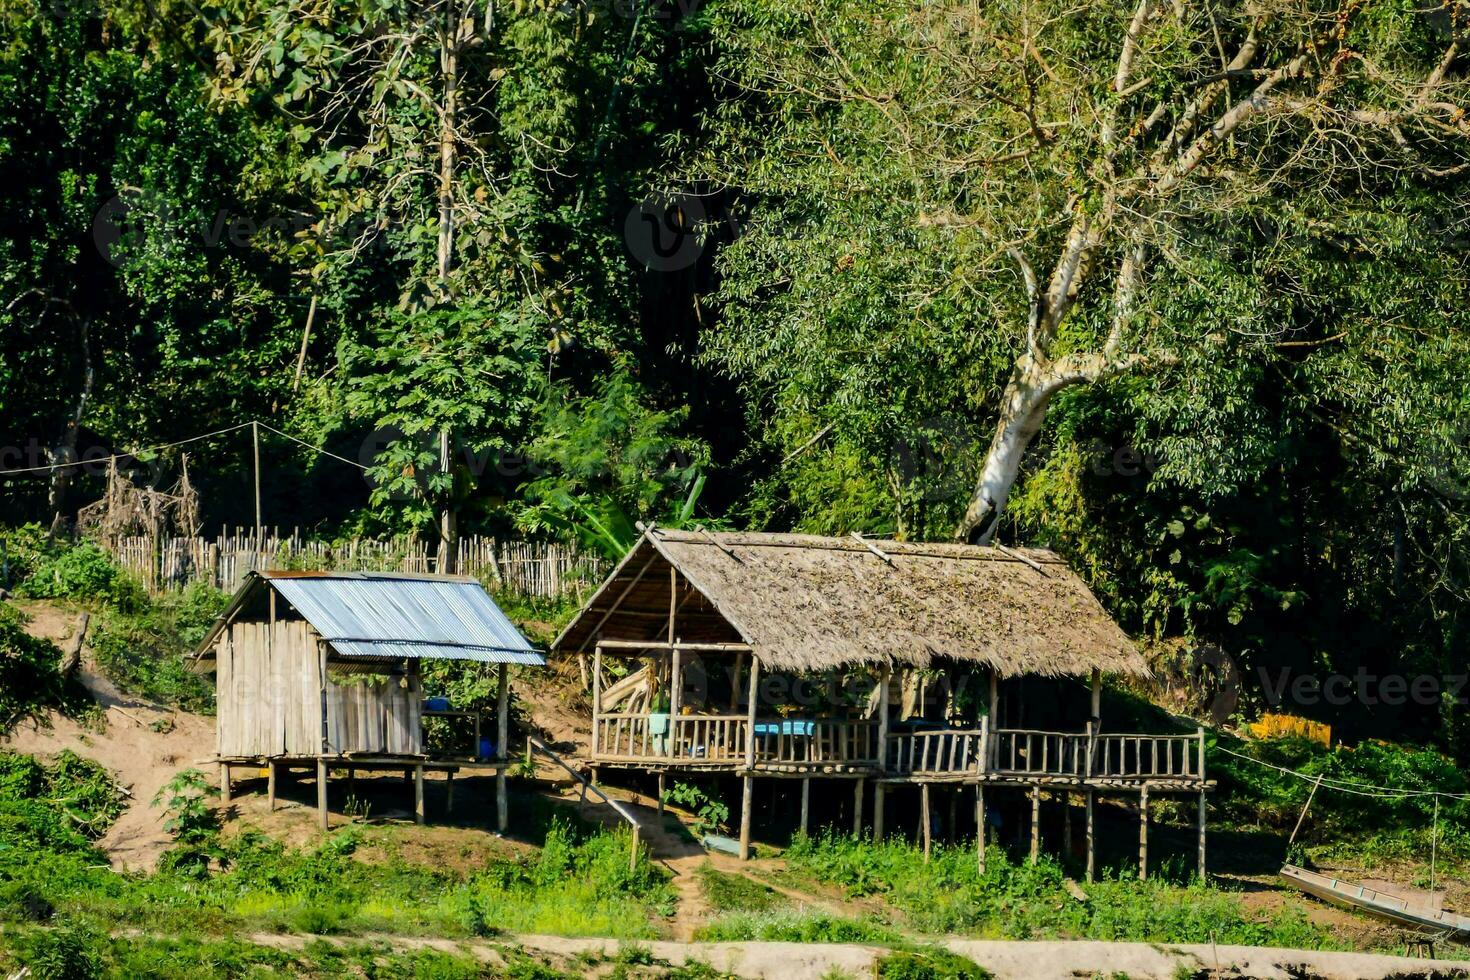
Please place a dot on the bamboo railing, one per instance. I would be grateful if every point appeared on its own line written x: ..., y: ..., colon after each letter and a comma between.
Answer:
x: 1003, y: 753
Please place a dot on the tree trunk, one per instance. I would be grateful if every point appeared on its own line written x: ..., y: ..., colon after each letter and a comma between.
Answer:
x: 1022, y: 410
x: 449, y: 63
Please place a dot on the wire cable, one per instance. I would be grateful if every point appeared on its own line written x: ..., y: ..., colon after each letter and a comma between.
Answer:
x: 1347, y: 785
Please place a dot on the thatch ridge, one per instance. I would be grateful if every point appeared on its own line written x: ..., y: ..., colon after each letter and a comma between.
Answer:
x: 812, y: 603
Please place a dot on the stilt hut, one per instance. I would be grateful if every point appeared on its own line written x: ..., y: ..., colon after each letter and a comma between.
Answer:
x: 321, y: 671
x: 880, y: 663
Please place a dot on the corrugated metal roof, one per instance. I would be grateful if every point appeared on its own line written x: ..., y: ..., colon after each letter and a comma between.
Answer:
x: 367, y: 614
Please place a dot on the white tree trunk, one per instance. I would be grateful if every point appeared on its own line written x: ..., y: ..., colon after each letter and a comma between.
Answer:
x: 1022, y: 410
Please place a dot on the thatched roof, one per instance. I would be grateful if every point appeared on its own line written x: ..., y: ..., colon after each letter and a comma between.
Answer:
x: 809, y: 603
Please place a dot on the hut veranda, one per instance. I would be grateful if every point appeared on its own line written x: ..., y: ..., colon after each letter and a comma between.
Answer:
x: 321, y: 671
x: 875, y: 663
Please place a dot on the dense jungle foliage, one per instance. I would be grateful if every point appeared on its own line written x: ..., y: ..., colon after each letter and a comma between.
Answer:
x: 764, y: 263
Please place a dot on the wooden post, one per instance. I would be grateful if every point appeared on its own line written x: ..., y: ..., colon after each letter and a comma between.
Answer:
x: 857, y: 807
x: 224, y: 783
x: 994, y: 699
x: 755, y: 673
x: 502, y: 735
x: 745, y: 818
x: 1143, y: 833
x: 321, y: 791
x: 1066, y: 826
x: 1202, y: 835
x: 676, y: 692
x: 806, y: 801
x: 880, y: 806
x: 633, y: 852
x: 951, y: 827
x: 980, y: 825
x: 883, y: 717
x: 924, y: 817
x: 449, y: 791
x: 1035, y: 822
x: 661, y: 778
x: 418, y: 793
x: 1091, y: 853
x: 735, y: 682
x: 596, y: 697
x: 1096, y: 695
x: 270, y: 785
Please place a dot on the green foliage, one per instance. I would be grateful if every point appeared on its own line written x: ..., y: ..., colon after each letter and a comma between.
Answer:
x: 929, y: 964
x: 734, y: 893
x: 143, y: 651
x: 792, y: 926
x: 30, y: 677
x: 1028, y: 901
x: 577, y: 887
x: 64, y: 953
x: 82, y: 573
x: 710, y: 813
x: 608, y: 461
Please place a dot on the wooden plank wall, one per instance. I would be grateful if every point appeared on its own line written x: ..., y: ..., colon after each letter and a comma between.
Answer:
x: 381, y: 716
x: 268, y: 694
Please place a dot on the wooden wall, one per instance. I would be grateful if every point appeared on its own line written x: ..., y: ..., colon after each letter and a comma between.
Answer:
x: 382, y: 717
x: 269, y: 693
x: 269, y: 690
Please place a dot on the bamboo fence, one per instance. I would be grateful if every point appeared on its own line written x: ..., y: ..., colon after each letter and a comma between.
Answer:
x: 542, y: 570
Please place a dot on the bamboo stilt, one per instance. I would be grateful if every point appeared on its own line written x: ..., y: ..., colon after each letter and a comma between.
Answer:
x: 745, y: 794
x: 1035, y: 823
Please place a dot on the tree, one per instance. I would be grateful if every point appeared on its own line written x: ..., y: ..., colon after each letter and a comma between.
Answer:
x: 1111, y: 160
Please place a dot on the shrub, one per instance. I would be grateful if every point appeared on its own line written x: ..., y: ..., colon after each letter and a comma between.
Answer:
x: 30, y: 676
x: 930, y: 964
x: 65, y: 953
x: 84, y: 573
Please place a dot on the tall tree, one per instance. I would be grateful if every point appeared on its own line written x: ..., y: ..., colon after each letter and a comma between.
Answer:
x: 1107, y: 161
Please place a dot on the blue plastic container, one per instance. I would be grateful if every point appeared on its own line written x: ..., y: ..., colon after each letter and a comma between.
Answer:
x: 487, y: 747
x: 436, y: 704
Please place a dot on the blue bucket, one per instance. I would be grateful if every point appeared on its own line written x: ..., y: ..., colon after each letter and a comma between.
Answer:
x: 436, y: 704
x: 487, y: 747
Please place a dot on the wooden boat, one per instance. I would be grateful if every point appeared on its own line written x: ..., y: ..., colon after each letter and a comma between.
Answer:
x: 1383, y: 905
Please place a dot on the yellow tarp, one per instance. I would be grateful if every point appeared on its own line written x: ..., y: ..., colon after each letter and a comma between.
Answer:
x: 1275, y: 726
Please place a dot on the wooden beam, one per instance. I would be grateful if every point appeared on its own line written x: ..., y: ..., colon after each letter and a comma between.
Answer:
x: 1026, y: 559
x: 676, y: 694
x: 755, y: 674
x: 502, y: 736
x: 614, y: 644
x: 624, y: 594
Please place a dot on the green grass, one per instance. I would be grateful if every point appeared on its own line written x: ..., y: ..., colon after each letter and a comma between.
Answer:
x: 930, y: 963
x: 1025, y: 901
x: 788, y: 925
x: 734, y: 893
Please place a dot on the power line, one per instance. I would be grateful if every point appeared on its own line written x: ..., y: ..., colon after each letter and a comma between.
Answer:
x: 130, y: 455
x: 53, y: 467
x: 1348, y: 785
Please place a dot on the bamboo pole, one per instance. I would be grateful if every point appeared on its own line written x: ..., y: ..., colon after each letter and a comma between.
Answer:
x: 270, y: 785
x: 857, y: 807
x: 1143, y: 833
x: 418, y: 794
x: 321, y: 792
x: 224, y: 783
x: 924, y: 817
x: 502, y: 734
x: 1035, y: 822
x: 1202, y: 877
x: 806, y: 800
x: 1091, y: 846
x: 746, y: 790
x: 980, y: 826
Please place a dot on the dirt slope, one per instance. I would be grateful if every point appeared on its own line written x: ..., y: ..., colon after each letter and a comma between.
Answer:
x: 144, y: 744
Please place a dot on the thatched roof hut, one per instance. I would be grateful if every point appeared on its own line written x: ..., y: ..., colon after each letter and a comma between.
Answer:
x: 807, y: 603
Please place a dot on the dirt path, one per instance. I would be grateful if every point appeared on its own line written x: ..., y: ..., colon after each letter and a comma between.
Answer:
x: 144, y: 744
